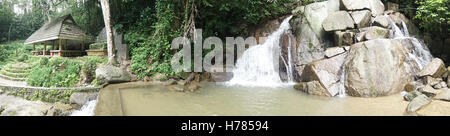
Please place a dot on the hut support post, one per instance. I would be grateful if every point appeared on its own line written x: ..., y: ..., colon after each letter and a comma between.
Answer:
x: 45, y: 50
x: 34, y: 49
x: 60, y: 47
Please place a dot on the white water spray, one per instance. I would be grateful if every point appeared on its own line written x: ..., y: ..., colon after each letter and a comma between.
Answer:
x: 86, y: 110
x: 419, y: 53
x: 258, y: 65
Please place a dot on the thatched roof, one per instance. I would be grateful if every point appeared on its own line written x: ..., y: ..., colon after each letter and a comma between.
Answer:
x: 61, y: 28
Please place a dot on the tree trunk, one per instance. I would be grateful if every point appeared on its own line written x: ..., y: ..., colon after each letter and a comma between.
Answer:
x: 109, y: 32
x: 9, y: 32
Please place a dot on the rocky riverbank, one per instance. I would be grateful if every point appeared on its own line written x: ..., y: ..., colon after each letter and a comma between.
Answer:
x: 16, y: 106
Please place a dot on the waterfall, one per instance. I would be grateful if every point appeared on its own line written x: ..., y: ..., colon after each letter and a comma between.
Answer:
x: 259, y: 65
x: 419, y: 53
x: 86, y: 110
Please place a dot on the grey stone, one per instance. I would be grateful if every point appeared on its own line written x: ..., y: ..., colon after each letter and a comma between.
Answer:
x: 327, y: 71
x: 411, y: 95
x: 381, y: 21
x: 443, y: 95
x: 362, y: 18
x: 81, y: 98
x: 376, y: 32
x: 310, y: 35
x: 159, y: 77
x: 392, y: 6
x: 436, y: 68
x: 192, y: 86
x: 355, y: 4
x: 2, y: 108
x: 428, y: 80
x: 412, y: 86
x: 170, y: 82
x: 312, y: 88
x: 331, y: 52
x: 417, y: 103
x: 344, y: 38
x: 121, y: 48
x: 429, y: 91
x: 177, y: 88
x: 340, y: 20
x: 440, y: 85
x: 376, y: 6
x: 111, y: 74
x: 376, y: 68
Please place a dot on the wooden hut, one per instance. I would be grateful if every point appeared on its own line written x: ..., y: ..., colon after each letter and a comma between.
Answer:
x: 64, y: 37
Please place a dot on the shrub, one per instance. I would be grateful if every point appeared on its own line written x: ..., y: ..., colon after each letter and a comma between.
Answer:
x: 58, y: 72
x: 22, y: 58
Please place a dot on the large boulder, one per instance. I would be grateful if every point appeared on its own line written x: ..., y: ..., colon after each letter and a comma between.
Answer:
x: 362, y: 18
x: 307, y: 28
x: 80, y: 98
x: 327, y: 71
x: 313, y: 88
x: 417, y: 103
x: 381, y: 21
x: 340, y: 20
x: 376, y: 6
x: 436, y: 68
x: 111, y: 74
x: 375, y: 32
x: 376, y: 68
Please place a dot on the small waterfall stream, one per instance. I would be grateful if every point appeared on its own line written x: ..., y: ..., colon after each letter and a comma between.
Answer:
x: 420, y: 53
x: 86, y: 110
x: 259, y: 65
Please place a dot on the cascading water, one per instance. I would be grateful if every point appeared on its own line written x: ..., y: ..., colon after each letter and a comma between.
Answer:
x: 419, y: 53
x: 86, y: 110
x: 259, y: 65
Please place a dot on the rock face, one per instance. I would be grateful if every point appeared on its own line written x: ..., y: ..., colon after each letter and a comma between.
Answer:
x: 313, y: 88
x: 339, y: 20
x: 381, y: 21
x: 376, y: 6
x: 331, y: 52
x: 436, y: 68
x: 362, y: 18
x: 392, y: 6
x: 375, y: 68
x: 307, y: 28
x: 80, y: 98
x: 375, y: 32
x: 417, y: 103
x: 343, y: 38
x: 111, y: 74
x: 327, y: 71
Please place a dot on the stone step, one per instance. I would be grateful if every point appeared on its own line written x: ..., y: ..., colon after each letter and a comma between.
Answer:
x: 12, y: 78
x: 15, y: 70
x: 12, y: 74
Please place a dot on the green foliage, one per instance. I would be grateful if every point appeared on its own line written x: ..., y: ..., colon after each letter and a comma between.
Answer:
x: 434, y: 15
x: 44, y: 95
x: 159, y: 22
x: 58, y: 72
x: 99, y: 46
x: 90, y: 65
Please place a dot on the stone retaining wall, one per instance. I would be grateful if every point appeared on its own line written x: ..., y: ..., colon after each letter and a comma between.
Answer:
x: 45, y: 94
